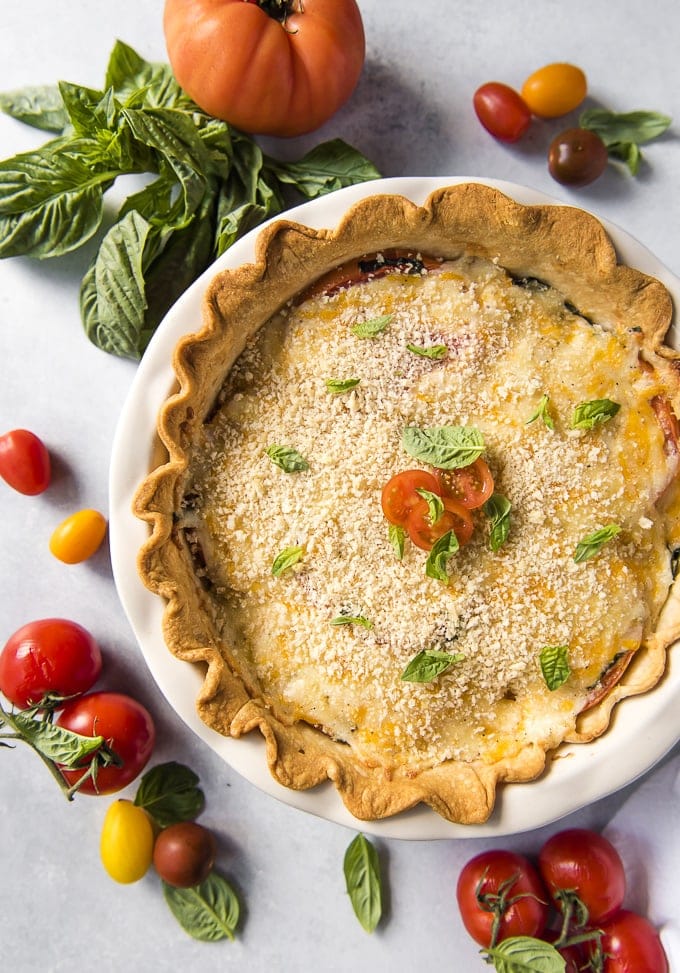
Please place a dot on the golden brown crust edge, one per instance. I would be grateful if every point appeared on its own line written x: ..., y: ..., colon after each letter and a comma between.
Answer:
x: 561, y: 245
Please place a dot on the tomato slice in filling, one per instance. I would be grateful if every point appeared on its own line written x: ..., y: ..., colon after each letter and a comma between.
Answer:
x: 470, y: 485
x: 424, y: 533
x: 399, y: 495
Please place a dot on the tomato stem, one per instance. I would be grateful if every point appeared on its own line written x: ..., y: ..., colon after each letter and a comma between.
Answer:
x: 279, y: 9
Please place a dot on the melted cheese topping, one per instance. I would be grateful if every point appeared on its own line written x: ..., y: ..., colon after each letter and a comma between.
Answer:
x: 507, y: 346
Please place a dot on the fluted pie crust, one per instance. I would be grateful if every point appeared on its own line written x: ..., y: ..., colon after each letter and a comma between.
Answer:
x: 327, y: 698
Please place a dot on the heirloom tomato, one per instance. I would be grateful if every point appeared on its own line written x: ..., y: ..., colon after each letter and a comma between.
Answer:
x: 52, y: 655
x: 126, y: 843
x: 184, y: 854
x: 127, y: 729
x: 577, y: 157
x: 270, y: 67
x: 582, y: 868
x: 555, y: 90
x: 502, y: 111
x: 500, y: 894
x: 24, y: 462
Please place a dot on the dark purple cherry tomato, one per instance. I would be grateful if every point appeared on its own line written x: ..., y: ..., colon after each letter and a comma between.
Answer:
x: 184, y: 854
x: 577, y: 157
x: 502, y: 111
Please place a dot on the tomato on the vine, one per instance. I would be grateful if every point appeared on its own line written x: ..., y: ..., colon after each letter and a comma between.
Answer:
x: 555, y: 90
x: 399, y: 495
x: 271, y: 67
x: 629, y: 944
x: 184, y: 854
x: 499, y: 895
x: 583, y: 870
x: 51, y: 655
x: 502, y: 111
x: 470, y: 485
x: 127, y: 728
x: 425, y: 533
x: 577, y: 157
x: 25, y: 462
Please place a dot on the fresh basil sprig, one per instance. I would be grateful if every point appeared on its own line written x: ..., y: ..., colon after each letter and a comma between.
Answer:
x: 363, y: 880
x: 436, y: 565
x: 209, y: 911
x: 445, y: 447
x: 554, y: 660
x: 397, y: 538
x: 287, y: 458
x: 589, y: 414
x: 210, y: 184
x: 524, y: 954
x: 542, y: 412
x: 497, y: 508
x: 435, y: 352
x: 624, y: 132
x: 427, y: 664
x: 372, y: 328
x: 169, y: 793
x: 286, y: 559
x: 591, y: 544
x: 435, y: 504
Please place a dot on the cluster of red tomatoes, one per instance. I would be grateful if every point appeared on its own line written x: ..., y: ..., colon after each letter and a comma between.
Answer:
x: 572, y: 898
x: 56, y: 662
x: 576, y: 156
x: 404, y: 501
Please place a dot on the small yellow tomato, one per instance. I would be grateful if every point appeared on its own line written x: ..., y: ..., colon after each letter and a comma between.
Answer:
x: 126, y: 845
x: 78, y: 537
x: 555, y: 90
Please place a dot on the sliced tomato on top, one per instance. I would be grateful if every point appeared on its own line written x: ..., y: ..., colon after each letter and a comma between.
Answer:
x: 399, y: 494
x: 470, y: 485
x: 425, y: 534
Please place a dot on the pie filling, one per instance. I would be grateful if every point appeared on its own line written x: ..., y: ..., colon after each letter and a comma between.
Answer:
x: 319, y: 610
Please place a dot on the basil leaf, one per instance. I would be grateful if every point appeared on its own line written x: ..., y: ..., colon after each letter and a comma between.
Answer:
x: 446, y: 447
x: 363, y: 881
x: 589, y: 414
x: 169, y: 793
x: 397, y: 538
x: 435, y: 504
x: 40, y: 106
x: 428, y: 664
x: 288, y: 557
x: 209, y: 911
x: 136, y: 81
x: 329, y: 166
x: 55, y: 743
x: 497, y: 508
x: 336, y: 386
x: 372, y: 328
x: 287, y: 458
x: 542, y: 413
x: 634, y: 126
x: 524, y: 954
x: 627, y: 152
x: 352, y: 620
x: 591, y: 544
x: 555, y: 666
x: 436, y: 565
x: 433, y: 351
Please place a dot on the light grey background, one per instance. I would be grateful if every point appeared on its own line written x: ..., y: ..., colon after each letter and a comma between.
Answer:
x: 412, y: 114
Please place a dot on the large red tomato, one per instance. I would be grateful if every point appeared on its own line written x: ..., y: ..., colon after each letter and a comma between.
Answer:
x: 272, y: 67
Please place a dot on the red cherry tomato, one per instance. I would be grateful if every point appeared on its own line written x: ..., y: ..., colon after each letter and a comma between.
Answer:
x: 470, y: 485
x: 424, y: 533
x: 51, y: 655
x: 630, y: 944
x: 502, y: 111
x: 577, y: 157
x: 509, y: 882
x: 184, y: 854
x: 24, y: 462
x: 555, y: 90
x: 127, y: 728
x: 399, y: 494
x: 583, y: 865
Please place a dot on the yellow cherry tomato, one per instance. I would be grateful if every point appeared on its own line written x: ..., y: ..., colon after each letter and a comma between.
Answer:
x: 554, y: 90
x: 126, y: 845
x: 79, y: 536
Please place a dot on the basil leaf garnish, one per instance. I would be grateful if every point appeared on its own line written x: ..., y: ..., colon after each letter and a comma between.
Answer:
x: 427, y: 664
x: 542, y: 413
x: 445, y: 447
x: 436, y: 565
x: 524, y: 954
x: 286, y: 559
x: 555, y: 666
x: 497, y: 508
x: 170, y: 793
x: 372, y: 328
x: 591, y: 544
x: 435, y: 504
x: 592, y: 413
x: 435, y: 352
x: 336, y: 386
x: 362, y: 878
x: 352, y: 620
x: 397, y: 538
x: 208, y: 912
x: 624, y: 132
x: 287, y: 458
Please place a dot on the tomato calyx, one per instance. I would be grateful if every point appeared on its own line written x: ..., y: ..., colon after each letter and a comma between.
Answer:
x: 279, y: 9
x: 500, y: 901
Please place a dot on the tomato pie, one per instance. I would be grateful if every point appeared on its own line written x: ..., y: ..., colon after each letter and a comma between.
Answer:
x: 418, y: 506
